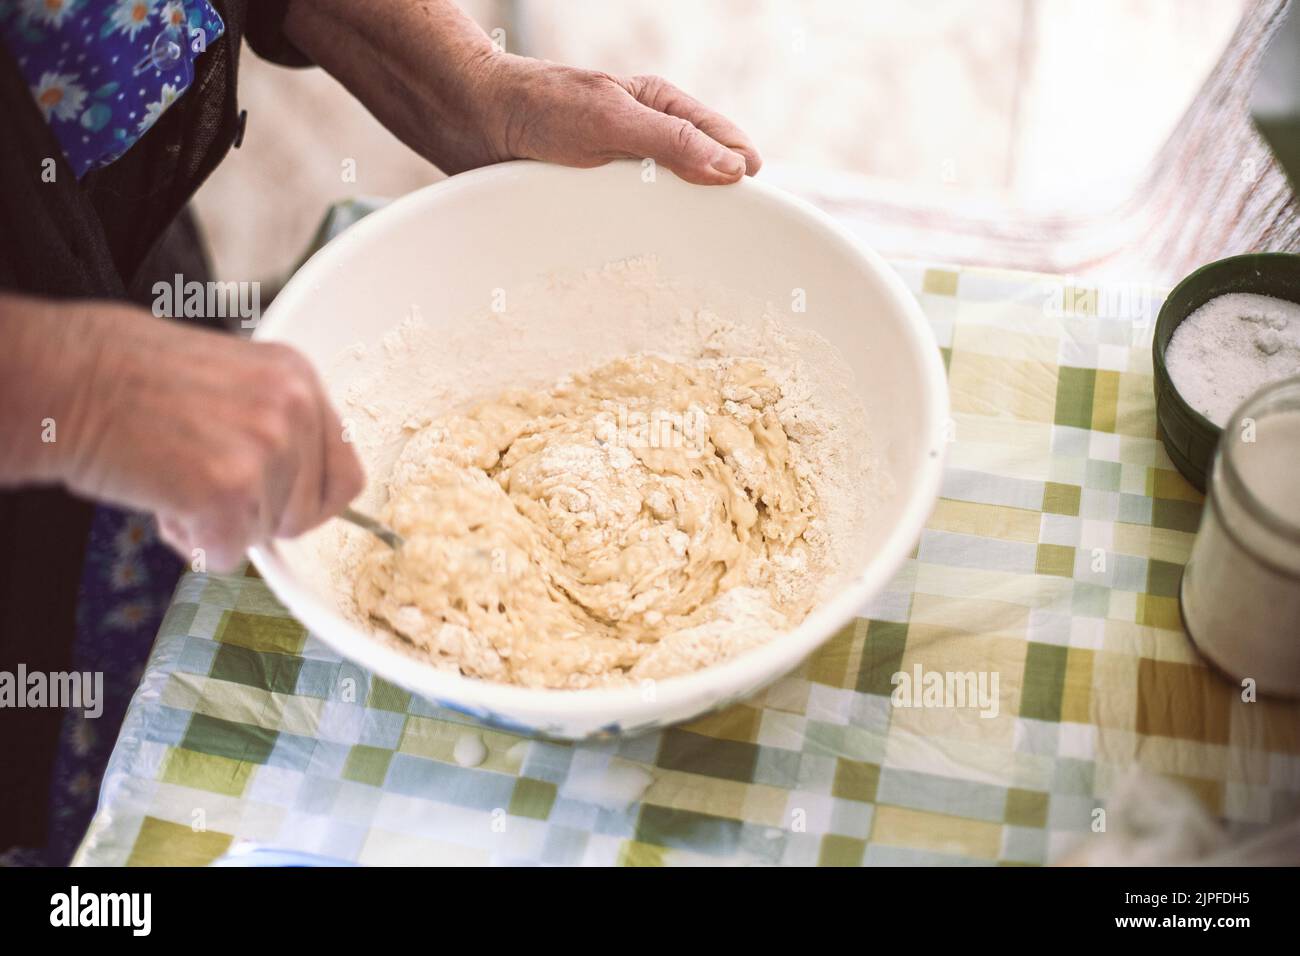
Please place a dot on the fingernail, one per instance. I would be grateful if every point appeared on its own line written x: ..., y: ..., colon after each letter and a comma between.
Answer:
x: 728, y: 163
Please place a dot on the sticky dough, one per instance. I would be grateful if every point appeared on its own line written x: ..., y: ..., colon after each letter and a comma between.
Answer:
x: 641, y: 520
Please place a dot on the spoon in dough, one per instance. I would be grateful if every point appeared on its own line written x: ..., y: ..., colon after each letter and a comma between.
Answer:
x: 375, y: 527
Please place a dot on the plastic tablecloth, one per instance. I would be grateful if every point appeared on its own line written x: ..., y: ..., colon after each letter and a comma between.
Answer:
x: 1051, y: 564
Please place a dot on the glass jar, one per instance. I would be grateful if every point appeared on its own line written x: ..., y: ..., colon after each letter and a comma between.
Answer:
x: 1240, y: 592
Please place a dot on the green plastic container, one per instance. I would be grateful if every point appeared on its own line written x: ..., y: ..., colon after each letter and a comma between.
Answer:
x: 1188, y: 436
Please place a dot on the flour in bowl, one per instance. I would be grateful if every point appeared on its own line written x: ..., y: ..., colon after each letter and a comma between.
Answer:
x: 641, y: 520
x: 525, y: 452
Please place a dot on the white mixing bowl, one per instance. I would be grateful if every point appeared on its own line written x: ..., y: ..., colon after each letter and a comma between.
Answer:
x: 442, y: 246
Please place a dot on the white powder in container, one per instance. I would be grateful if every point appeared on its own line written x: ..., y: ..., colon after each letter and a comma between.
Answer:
x: 1231, y: 347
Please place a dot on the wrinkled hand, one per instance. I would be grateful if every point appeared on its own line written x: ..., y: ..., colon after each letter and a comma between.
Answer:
x: 433, y: 77
x: 229, y: 442
x: 541, y: 110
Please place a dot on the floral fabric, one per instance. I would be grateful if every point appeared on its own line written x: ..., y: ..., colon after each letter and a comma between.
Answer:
x: 103, y: 71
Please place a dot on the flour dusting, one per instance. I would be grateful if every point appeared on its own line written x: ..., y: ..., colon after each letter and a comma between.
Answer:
x: 620, y: 478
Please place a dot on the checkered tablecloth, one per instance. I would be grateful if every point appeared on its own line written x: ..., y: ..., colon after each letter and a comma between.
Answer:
x: 1052, y: 561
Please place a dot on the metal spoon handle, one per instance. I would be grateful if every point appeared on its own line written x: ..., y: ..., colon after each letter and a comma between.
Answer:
x: 377, y: 528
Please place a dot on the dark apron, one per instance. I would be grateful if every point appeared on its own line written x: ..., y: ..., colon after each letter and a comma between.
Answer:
x: 111, y: 235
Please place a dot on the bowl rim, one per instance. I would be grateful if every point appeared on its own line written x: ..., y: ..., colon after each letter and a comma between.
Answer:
x: 744, y: 673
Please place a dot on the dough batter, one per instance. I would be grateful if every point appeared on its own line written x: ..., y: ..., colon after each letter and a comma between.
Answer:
x: 641, y: 520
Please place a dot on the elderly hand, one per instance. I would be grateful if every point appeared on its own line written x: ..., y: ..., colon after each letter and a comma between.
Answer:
x: 228, y: 442
x: 541, y: 110
x: 436, y: 81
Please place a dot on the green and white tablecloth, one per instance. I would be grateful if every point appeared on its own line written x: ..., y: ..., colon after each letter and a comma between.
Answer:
x: 1052, y: 560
